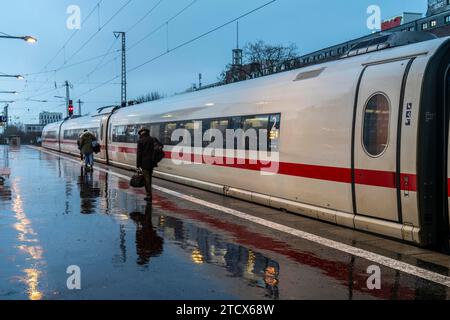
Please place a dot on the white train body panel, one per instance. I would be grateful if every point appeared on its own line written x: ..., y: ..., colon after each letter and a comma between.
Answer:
x: 325, y: 171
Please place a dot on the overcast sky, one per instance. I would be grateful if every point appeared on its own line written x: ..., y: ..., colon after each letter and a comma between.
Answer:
x: 310, y: 24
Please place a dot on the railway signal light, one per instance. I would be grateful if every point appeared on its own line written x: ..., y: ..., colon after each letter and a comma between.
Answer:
x: 70, y: 108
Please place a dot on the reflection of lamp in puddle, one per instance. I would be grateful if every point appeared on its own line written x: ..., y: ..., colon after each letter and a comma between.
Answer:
x: 33, y: 284
x: 197, y: 257
x: 162, y: 221
x: 271, y: 276
x: 251, y: 261
x: 27, y: 236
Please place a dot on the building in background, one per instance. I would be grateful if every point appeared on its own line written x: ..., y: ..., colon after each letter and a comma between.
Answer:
x: 33, y: 128
x: 402, y: 19
x: 437, y: 6
x: 46, y: 118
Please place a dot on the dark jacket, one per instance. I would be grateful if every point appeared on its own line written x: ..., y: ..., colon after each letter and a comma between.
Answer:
x: 145, y: 152
x: 86, y: 140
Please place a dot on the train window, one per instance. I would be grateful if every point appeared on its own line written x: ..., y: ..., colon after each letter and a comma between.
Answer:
x: 167, y: 130
x: 254, y: 127
x: 155, y: 130
x: 119, y: 133
x: 131, y: 134
x: 216, y: 124
x: 190, y: 128
x: 50, y: 135
x: 376, y: 125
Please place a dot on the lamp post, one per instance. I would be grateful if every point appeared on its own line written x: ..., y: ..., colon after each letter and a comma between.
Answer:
x: 40, y: 101
x: 28, y: 39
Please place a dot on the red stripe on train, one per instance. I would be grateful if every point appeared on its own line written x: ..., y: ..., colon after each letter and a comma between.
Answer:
x: 375, y: 178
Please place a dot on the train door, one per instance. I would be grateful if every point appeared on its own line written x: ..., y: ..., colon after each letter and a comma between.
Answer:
x: 104, y: 136
x: 447, y: 184
x: 375, y: 141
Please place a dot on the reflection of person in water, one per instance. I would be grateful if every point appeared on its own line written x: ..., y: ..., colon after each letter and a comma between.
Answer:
x: 271, y: 275
x: 148, y: 243
x: 88, y: 193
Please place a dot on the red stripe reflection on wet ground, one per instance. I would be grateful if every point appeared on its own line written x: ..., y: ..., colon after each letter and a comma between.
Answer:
x: 333, y: 269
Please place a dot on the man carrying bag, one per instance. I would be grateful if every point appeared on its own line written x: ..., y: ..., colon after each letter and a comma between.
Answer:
x: 147, y: 158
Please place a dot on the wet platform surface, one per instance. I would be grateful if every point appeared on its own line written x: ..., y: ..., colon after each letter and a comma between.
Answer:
x: 54, y: 215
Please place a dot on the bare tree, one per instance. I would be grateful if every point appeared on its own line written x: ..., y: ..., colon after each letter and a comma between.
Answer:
x: 266, y: 58
x: 152, y: 96
x: 260, y: 59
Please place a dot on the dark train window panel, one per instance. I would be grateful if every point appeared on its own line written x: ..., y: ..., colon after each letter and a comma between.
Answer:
x: 50, y: 135
x: 155, y: 130
x: 221, y: 125
x: 274, y: 133
x: 376, y: 125
x: 260, y: 126
x: 167, y: 131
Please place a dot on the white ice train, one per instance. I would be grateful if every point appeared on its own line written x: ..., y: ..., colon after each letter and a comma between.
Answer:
x: 362, y: 140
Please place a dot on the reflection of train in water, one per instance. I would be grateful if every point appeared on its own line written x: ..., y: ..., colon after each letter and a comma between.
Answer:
x: 240, y: 262
x: 362, y: 140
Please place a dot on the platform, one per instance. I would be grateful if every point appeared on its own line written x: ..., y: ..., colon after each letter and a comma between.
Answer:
x: 189, y: 244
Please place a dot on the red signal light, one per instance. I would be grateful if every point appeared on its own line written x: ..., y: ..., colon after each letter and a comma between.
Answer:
x: 70, y: 108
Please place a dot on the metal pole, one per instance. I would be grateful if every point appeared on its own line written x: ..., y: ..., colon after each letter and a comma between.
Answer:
x: 79, y: 106
x: 67, y: 97
x: 124, y: 67
x: 6, y: 115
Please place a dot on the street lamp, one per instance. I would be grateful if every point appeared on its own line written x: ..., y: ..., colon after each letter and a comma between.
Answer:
x: 28, y: 39
x: 41, y: 101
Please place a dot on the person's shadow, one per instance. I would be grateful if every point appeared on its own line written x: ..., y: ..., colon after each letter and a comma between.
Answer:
x: 88, y: 192
x: 148, y: 242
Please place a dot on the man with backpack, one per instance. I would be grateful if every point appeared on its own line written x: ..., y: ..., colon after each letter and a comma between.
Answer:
x: 87, y: 142
x: 149, y: 154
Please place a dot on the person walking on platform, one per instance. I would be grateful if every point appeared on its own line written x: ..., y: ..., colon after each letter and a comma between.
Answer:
x: 145, y: 159
x: 86, y: 140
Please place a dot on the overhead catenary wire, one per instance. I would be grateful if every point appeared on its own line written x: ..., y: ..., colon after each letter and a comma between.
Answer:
x: 74, y: 64
x: 100, y: 29
x: 63, y: 48
x: 99, y: 65
x: 176, y: 15
x: 71, y: 36
x: 182, y: 45
x: 92, y: 36
x: 162, y: 25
